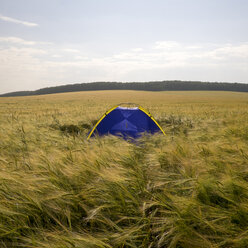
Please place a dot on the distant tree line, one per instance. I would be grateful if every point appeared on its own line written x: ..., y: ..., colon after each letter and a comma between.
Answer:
x: 146, y: 86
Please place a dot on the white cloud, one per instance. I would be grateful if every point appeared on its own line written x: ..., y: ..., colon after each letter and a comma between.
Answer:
x: 230, y: 50
x: 70, y: 50
x: 167, y: 45
x: 25, y: 23
x: 56, y: 56
x: 81, y: 57
x: 16, y: 40
x: 35, y: 66
x: 20, y: 41
x: 138, y: 49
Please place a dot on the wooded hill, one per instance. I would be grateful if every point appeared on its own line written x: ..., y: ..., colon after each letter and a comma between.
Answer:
x: 146, y: 86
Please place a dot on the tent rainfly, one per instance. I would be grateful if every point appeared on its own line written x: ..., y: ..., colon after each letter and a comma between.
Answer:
x: 126, y: 122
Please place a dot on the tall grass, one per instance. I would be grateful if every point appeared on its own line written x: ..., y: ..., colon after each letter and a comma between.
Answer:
x: 186, y: 189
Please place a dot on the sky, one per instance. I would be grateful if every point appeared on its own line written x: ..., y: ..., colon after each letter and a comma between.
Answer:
x: 53, y: 42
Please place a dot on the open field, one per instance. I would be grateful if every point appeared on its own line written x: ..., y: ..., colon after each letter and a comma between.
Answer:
x: 186, y: 189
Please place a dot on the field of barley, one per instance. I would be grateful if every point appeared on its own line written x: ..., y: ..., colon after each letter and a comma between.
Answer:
x: 188, y: 189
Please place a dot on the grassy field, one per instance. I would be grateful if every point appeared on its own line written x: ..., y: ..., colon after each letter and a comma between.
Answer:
x: 186, y: 189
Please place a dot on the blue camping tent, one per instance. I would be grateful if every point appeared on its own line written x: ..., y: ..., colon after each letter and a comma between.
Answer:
x: 126, y: 122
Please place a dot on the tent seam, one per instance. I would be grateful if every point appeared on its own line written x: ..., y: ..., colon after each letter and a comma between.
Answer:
x: 103, y: 116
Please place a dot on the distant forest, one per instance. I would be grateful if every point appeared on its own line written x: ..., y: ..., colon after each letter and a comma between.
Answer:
x: 145, y: 86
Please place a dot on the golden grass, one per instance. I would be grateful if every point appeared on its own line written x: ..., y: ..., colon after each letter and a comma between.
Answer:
x: 186, y: 189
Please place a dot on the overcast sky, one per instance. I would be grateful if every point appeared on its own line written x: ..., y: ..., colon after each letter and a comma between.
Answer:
x: 52, y: 42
